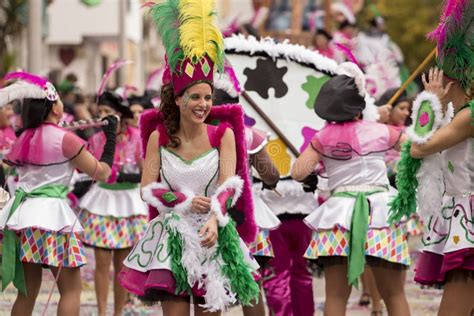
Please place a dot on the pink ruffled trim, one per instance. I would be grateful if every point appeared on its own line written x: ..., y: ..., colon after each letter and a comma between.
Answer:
x: 432, y: 267
x: 160, y: 279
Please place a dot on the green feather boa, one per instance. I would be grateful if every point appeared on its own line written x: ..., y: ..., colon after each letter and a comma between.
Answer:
x: 405, y: 201
x: 242, y: 282
x: 235, y: 268
x: 175, y: 249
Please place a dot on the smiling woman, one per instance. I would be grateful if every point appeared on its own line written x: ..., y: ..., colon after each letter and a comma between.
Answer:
x: 193, y: 174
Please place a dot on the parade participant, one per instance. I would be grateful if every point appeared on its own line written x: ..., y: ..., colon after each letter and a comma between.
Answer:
x: 288, y: 285
x: 114, y: 216
x: 138, y: 104
x: 7, y: 138
x: 351, y: 226
x: 322, y: 43
x: 226, y: 91
x: 442, y: 135
x: 39, y: 228
x: 397, y: 117
x: 448, y: 255
x: 190, y: 177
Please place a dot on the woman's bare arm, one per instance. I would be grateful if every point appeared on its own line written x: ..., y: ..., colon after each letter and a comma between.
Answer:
x: 151, y: 164
x: 87, y: 163
x: 305, y: 164
x: 228, y: 156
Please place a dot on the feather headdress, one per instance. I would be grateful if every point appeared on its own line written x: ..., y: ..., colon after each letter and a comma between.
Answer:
x: 192, y: 41
x: 26, y: 85
x: 455, y: 40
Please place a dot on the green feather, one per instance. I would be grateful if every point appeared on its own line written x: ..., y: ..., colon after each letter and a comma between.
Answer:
x: 166, y: 18
x: 405, y: 201
x: 241, y: 280
x: 175, y: 249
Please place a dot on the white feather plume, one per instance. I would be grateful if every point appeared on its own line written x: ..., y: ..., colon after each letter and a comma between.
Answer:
x: 352, y: 70
x: 20, y: 90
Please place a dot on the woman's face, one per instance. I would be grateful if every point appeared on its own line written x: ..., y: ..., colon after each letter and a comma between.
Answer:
x: 105, y: 110
x: 195, y: 103
x: 6, y: 113
x: 58, y: 108
x: 136, y: 109
x: 320, y: 41
x: 399, y: 113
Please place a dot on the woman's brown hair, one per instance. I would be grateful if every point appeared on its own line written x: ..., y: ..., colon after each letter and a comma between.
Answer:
x: 171, y: 115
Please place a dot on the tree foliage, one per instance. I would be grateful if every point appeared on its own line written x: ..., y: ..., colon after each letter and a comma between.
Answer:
x: 12, y: 20
x: 408, y: 22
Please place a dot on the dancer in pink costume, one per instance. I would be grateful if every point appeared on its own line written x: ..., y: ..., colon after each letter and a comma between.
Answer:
x: 114, y: 216
x: 352, y: 227
x: 39, y: 228
x: 195, y: 173
x: 7, y: 138
x: 437, y: 163
x: 288, y: 283
x: 397, y: 118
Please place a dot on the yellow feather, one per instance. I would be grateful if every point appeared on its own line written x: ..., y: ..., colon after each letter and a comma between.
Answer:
x: 198, y: 33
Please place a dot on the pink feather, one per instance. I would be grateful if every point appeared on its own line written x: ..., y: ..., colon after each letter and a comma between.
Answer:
x: 119, y: 63
x: 152, y: 77
x: 148, y: 4
x: 347, y: 52
x: 127, y: 89
x: 233, y: 78
x: 233, y: 115
x: 25, y: 76
x: 451, y: 17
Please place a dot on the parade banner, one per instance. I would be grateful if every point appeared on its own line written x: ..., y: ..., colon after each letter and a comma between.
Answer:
x: 279, y: 84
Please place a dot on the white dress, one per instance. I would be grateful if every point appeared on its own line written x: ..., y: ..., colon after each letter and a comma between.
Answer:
x: 150, y: 259
x: 449, y: 234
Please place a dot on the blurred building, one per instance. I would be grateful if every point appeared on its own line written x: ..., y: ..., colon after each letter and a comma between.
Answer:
x: 84, y: 40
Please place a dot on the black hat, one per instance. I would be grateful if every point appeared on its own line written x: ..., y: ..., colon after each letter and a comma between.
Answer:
x: 388, y: 95
x: 324, y: 33
x: 222, y: 97
x: 116, y: 102
x: 339, y: 100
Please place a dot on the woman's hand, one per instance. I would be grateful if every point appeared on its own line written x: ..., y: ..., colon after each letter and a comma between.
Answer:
x: 201, y: 205
x: 435, y: 85
x: 209, y: 232
x: 384, y: 113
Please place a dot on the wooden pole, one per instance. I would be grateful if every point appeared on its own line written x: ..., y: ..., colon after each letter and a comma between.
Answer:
x: 270, y: 123
x: 412, y: 76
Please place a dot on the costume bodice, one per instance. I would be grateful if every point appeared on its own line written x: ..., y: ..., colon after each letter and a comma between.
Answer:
x: 458, y: 168
x: 47, y: 159
x: 32, y: 177
x: 199, y: 175
x: 370, y: 169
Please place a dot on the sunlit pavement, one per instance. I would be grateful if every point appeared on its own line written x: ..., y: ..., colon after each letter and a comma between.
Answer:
x: 422, y: 301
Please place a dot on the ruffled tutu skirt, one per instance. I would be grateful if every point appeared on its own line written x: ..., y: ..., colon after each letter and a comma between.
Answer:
x: 331, y: 223
x: 148, y: 271
x: 448, y: 242
x: 110, y: 232
x: 48, y: 231
x: 262, y: 248
x: 113, y: 216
